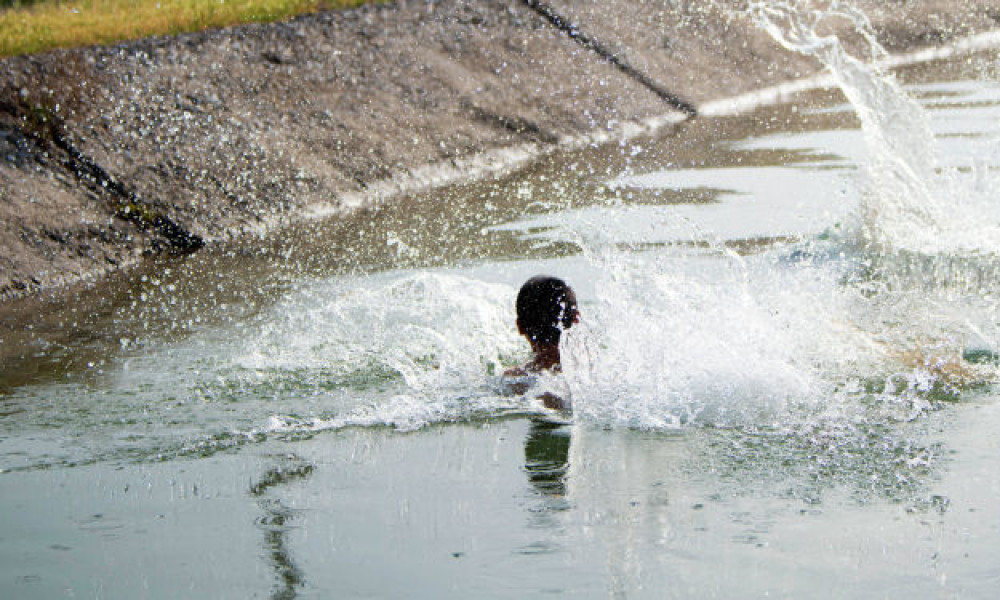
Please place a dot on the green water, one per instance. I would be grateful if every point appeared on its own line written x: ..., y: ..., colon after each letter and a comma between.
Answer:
x: 763, y: 407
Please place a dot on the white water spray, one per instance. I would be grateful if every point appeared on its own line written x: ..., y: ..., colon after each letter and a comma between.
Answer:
x: 759, y: 341
x: 912, y: 203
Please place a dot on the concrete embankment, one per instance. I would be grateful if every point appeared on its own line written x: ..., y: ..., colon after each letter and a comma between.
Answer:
x: 166, y: 144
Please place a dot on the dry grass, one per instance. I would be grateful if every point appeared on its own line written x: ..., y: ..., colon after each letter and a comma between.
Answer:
x: 46, y: 24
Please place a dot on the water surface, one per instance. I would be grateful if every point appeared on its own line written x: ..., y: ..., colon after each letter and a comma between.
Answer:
x: 783, y: 384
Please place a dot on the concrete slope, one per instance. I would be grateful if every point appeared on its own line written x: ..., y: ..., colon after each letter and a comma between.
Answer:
x: 166, y: 144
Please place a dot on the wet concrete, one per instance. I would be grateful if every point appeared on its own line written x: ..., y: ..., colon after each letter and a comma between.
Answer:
x: 111, y: 154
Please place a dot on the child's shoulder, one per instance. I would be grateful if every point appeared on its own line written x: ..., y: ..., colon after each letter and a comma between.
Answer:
x: 517, y: 380
x: 516, y: 372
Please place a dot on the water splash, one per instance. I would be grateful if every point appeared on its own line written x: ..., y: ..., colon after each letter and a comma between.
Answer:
x: 406, y: 325
x: 912, y: 202
x: 878, y: 318
x: 727, y: 343
x: 423, y: 348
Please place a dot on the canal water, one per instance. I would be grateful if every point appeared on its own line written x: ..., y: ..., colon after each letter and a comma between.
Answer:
x: 783, y: 383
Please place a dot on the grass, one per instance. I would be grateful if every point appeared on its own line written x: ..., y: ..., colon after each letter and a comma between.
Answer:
x: 30, y: 26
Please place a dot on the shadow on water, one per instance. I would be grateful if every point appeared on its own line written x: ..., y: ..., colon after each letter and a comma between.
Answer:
x: 276, y: 523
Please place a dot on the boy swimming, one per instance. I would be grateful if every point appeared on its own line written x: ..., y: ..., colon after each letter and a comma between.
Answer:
x: 545, y: 307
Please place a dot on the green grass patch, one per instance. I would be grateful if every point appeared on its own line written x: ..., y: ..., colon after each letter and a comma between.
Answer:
x: 30, y: 26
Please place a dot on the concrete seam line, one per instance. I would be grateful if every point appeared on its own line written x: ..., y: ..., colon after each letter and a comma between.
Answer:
x: 126, y: 204
x: 593, y: 45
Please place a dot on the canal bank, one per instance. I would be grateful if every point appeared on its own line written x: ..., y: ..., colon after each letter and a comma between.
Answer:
x: 167, y: 144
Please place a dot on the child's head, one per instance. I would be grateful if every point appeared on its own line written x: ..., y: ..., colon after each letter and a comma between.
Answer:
x: 545, y: 306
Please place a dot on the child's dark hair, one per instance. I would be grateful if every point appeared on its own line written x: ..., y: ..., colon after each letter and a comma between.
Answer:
x: 545, y: 306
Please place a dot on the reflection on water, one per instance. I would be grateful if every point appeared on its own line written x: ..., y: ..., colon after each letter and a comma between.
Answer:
x: 546, y: 458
